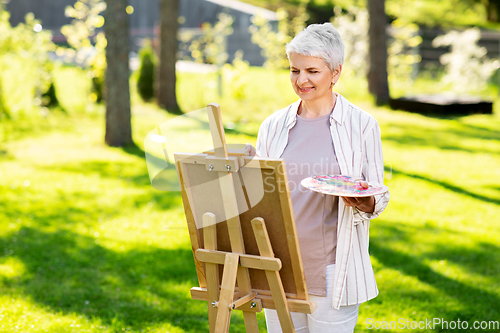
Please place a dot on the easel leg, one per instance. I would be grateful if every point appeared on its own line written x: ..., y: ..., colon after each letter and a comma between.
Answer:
x: 273, y: 278
x: 212, y: 293
x: 227, y: 292
x: 251, y: 324
x: 211, y: 270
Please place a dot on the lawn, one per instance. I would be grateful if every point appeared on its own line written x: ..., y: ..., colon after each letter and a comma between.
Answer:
x: 88, y: 245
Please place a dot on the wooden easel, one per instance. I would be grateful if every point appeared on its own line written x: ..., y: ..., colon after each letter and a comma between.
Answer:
x: 221, y: 293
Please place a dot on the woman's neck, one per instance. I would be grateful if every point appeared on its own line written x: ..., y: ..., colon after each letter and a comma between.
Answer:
x: 318, y: 107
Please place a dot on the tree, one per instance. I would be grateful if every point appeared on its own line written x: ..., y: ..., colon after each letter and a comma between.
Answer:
x: 492, y: 9
x: 377, y: 39
x: 166, y: 94
x: 118, y: 127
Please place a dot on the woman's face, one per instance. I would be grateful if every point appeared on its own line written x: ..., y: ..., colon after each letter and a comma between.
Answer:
x: 310, y: 77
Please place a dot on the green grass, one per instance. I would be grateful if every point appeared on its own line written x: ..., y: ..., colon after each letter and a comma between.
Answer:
x: 87, y: 245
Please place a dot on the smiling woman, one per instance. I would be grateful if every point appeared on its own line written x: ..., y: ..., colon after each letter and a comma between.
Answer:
x: 323, y: 133
x: 312, y: 80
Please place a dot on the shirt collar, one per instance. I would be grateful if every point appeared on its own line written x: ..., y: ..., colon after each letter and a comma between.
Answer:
x: 291, y: 117
x: 337, y: 114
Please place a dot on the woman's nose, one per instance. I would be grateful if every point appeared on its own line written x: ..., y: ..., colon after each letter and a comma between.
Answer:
x: 302, y: 78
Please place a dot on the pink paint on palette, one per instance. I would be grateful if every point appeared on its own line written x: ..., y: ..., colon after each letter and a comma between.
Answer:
x: 342, y: 186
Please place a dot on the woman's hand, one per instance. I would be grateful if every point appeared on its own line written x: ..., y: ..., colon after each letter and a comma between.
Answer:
x: 250, y: 149
x: 364, y: 204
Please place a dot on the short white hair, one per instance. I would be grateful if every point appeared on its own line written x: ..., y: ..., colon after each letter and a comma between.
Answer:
x: 321, y: 41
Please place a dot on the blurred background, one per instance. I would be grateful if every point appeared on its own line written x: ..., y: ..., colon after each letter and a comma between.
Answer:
x: 88, y: 245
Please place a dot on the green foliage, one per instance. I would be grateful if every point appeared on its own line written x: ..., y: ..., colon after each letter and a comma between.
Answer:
x: 236, y: 76
x: 402, y: 47
x: 87, y: 42
x: 72, y: 86
x: 273, y: 42
x: 319, y: 11
x: 209, y: 46
x: 492, y: 9
x: 27, y: 45
x: 145, y: 81
x: 440, y: 13
x: 352, y: 26
x: 97, y: 92
x: 424, y: 12
x: 403, y: 57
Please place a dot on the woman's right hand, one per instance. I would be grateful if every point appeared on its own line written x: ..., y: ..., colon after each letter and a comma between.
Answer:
x: 250, y: 149
x: 364, y: 204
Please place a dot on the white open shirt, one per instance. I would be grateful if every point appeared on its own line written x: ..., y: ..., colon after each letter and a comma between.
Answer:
x: 357, y: 142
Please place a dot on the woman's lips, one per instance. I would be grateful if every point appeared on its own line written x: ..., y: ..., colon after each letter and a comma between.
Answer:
x: 303, y: 90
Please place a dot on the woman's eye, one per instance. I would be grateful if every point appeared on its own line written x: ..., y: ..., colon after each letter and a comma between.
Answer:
x: 294, y: 71
x: 313, y: 72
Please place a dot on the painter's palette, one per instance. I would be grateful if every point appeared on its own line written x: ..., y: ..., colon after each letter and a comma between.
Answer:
x: 342, y: 186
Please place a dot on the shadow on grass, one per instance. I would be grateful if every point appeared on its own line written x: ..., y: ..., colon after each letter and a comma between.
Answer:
x: 134, y: 150
x: 445, y: 185
x: 495, y: 187
x: 238, y: 131
x: 71, y: 273
x: 122, y: 171
x: 483, y: 259
x: 449, y: 139
x: 60, y: 208
x: 479, y: 132
x: 68, y: 205
x: 406, y: 234
x: 133, y: 175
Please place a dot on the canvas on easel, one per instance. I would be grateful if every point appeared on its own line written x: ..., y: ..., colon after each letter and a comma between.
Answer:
x: 242, y: 230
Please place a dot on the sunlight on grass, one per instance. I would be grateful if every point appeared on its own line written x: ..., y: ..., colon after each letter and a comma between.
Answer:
x: 88, y: 245
x: 22, y: 315
x: 11, y: 268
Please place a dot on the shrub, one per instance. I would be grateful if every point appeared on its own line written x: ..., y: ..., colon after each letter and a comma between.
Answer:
x: 145, y: 81
x: 467, y: 67
x: 236, y: 76
x: 25, y: 68
x: 49, y: 98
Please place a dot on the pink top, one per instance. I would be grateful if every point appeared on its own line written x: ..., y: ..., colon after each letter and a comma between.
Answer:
x: 310, y: 152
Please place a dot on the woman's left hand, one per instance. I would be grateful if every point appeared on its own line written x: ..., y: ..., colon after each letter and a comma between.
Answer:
x: 365, y: 204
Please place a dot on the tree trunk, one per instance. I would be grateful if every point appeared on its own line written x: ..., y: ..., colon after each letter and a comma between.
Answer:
x: 118, y: 127
x: 166, y: 94
x: 377, y: 71
x: 492, y: 10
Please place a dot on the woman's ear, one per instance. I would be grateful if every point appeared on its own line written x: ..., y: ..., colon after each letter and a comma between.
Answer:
x: 336, y: 74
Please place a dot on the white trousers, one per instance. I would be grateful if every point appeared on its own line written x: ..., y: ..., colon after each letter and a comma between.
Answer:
x: 325, y: 319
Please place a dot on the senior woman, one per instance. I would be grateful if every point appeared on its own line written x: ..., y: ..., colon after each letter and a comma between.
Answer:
x: 323, y: 133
